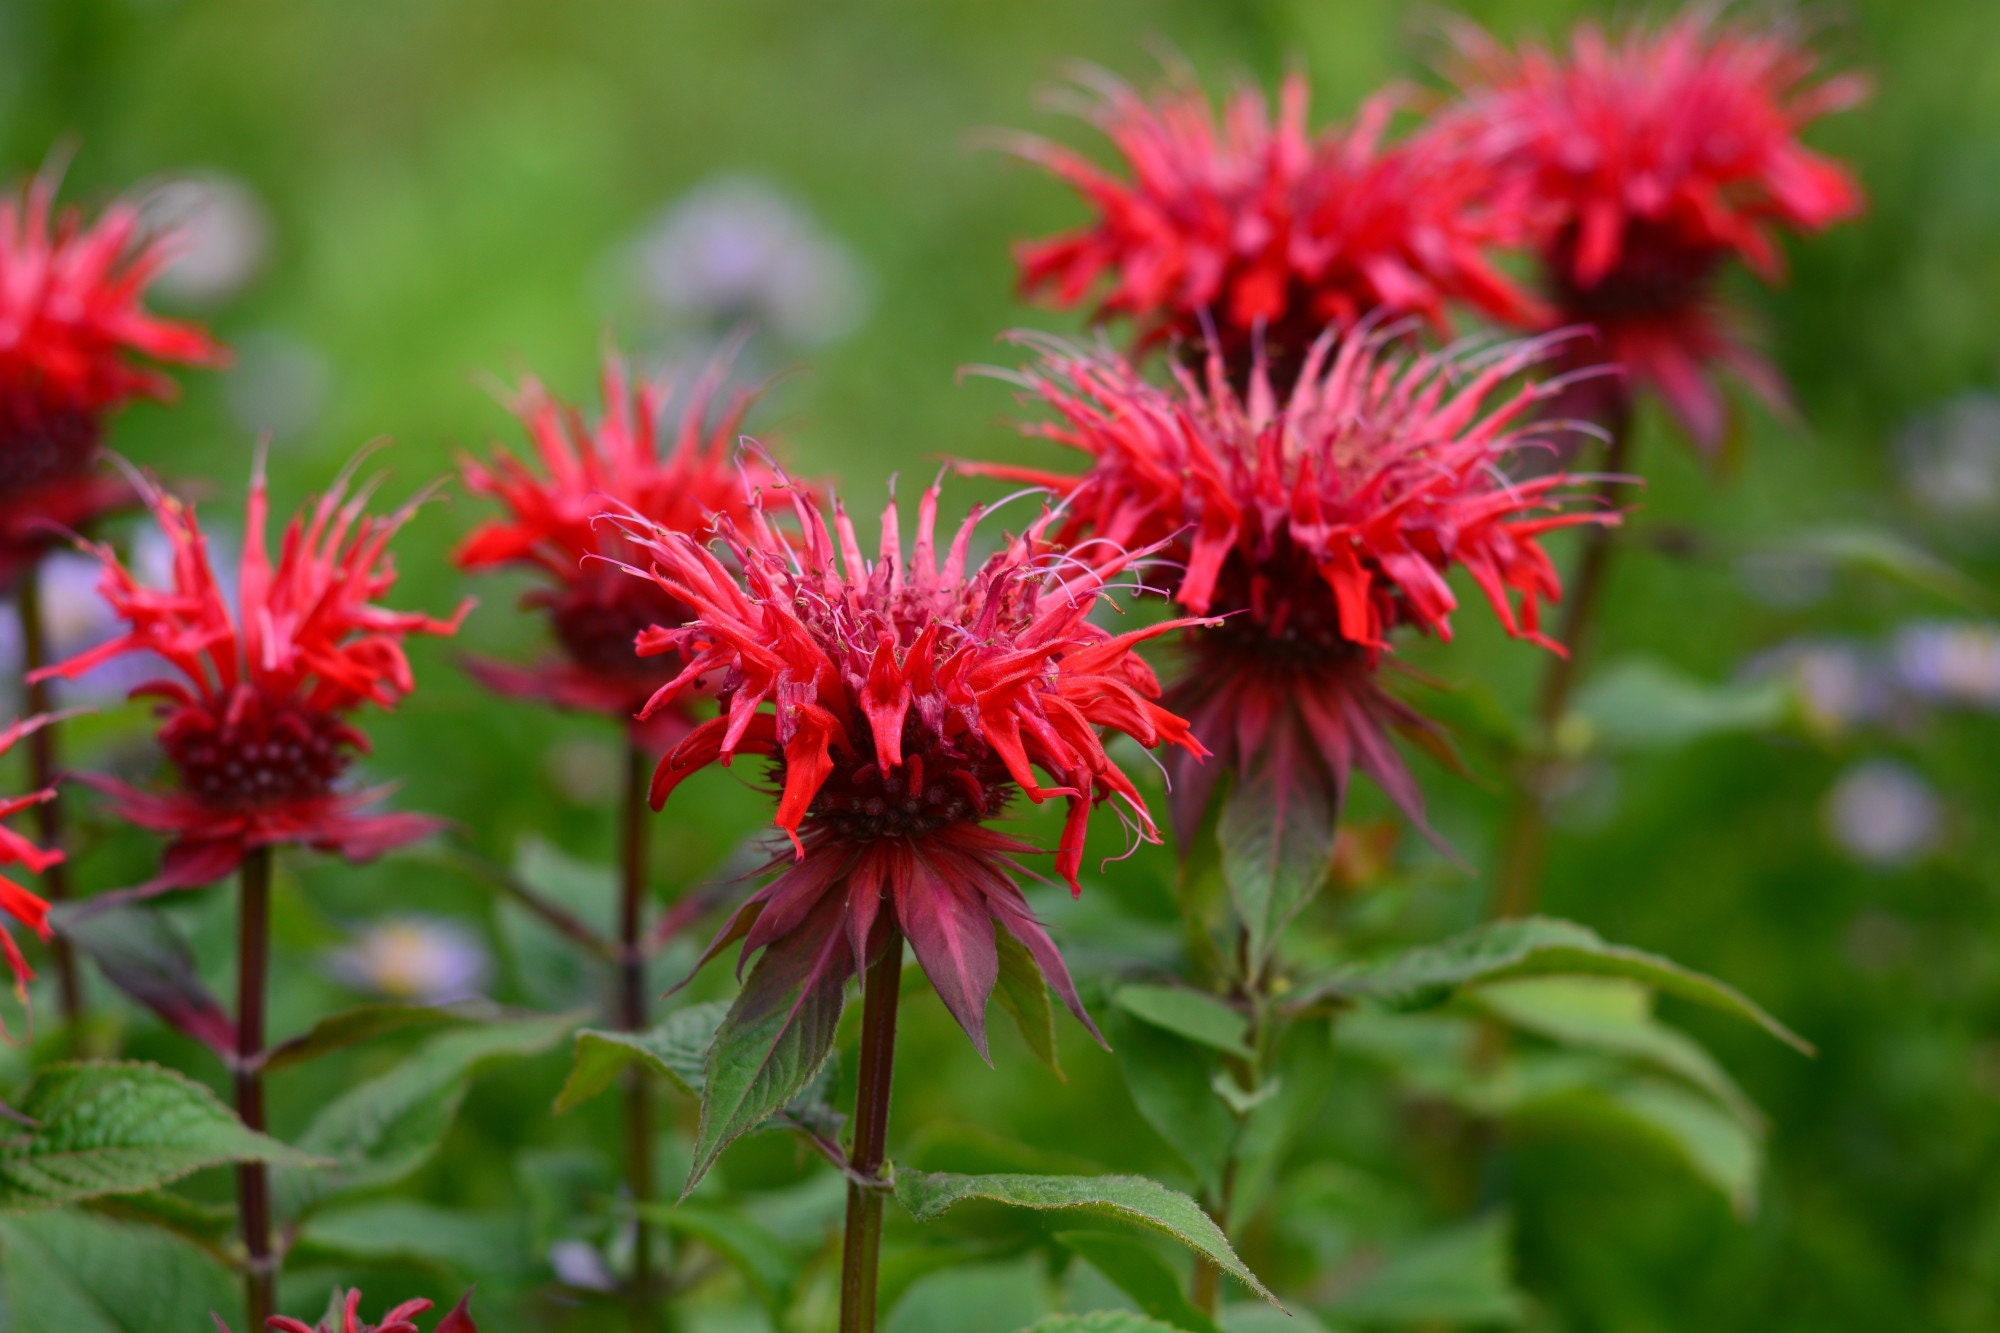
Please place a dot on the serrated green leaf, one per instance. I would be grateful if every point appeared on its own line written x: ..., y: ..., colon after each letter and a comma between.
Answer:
x: 74, y: 1273
x: 1537, y: 947
x: 1459, y: 1276
x: 1645, y: 705
x: 1137, y: 1269
x: 365, y: 1022
x: 1100, y: 1321
x: 1127, y: 1198
x: 765, y: 1262
x: 1023, y: 993
x: 120, y: 1128
x: 675, y: 1048
x: 768, y: 1048
x: 1169, y: 1081
x: 1276, y: 833
x: 381, y: 1130
x: 1196, y: 1015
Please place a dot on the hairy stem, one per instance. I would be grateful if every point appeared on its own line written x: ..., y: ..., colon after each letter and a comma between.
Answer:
x: 1524, y: 843
x: 630, y: 1014
x: 44, y: 763
x: 253, y: 1186
x: 1205, y: 1292
x: 861, y: 1250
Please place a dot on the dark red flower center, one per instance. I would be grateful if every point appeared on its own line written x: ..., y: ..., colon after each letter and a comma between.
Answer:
x: 1659, y: 271
x: 1280, y: 614
x: 257, y: 755
x: 597, y: 618
x: 939, y: 783
x: 42, y: 442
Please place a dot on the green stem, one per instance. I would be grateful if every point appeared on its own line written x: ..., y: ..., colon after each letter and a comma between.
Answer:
x: 253, y: 1186
x: 630, y: 1014
x: 1205, y: 1292
x: 1524, y: 843
x: 861, y: 1250
x: 44, y: 763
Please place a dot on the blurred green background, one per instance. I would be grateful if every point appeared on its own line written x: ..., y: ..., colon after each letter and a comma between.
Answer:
x: 425, y: 195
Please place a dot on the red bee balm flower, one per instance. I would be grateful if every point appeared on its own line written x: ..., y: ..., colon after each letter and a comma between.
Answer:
x: 256, y: 724
x: 595, y: 610
x: 1315, y: 526
x: 909, y: 704
x: 70, y: 318
x: 345, y: 1317
x: 1257, y: 224
x: 15, y: 901
x: 1649, y: 161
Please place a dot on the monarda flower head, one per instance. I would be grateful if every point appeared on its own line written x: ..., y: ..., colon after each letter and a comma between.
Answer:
x: 71, y: 326
x: 344, y: 1316
x: 623, y: 463
x: 1646, y: 162
x: 1315, y: 525
x: 1257, y: 228
x: 903, y: 704
x: 255, y: 718
x: 15, y: 901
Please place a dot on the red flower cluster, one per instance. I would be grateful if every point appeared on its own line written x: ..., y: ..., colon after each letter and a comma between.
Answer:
x: 551, y: 526
x: 345, y: 1317
x: 256, y: 725
x: 70, y: 319
x: 1265, y: 229
x: 1645, y: 163
x: 909, y: 701
x: 15, y: 901
x: 1316, y: 525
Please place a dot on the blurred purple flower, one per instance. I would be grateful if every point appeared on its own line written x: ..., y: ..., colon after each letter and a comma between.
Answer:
x: 579, y: 1264
x: 225, y: 235
x: 737, y: 248
x: 428, y: 960
x: 1950, y: 662
x: 77, y: 618
x: 1951, y: 457
x: 1882, y: 813
x: 1840, y: 685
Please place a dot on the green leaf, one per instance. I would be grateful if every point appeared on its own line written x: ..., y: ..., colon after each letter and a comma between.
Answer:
x: 74, y: 1273
x: 1193, y: 1014
x: 139, y: 951
x: 769, y: 1047
x: 405, y: 1230
x: 120, y: 1129
x: 1886, y: 556
x: 1100, y: 1321
x: 1645, y: 705
x: 973, y: 1298
x: 1126, y: 1198
x: 209, y: 1226
x: 1537, y: 947
x: 381, y: 1130
x: 1137, y: 1269
x: 1695, y: 1130
x: 1616, y: 1017
x: 1276, y: 835
x: 1022, y: 992
x: 366, y: 1022
x: 1460, y: 1276
x: 766, y: 1263
x: 1171, y: 1084
x: 674, y: 1048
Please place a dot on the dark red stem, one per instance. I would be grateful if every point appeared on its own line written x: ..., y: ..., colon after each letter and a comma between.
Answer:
x: 861, y: 1252
x: 630, y: 1014
x: 45, y: 764
x: 253, y: 1185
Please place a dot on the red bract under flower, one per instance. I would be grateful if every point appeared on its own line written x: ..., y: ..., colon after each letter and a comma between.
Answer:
x: 1256, y: 224
x: 1647, y: 162
x: 1317, y: 525
x: 909, y: 702
x: 70, y: 322
x: 345, y: 1317
x: 595, y: 610
x: 256, y: 724
x: 15, y: 901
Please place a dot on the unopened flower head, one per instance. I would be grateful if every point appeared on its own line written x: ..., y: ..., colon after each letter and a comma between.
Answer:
x: 255, y: 716
x: 344, y: 1316
x: 1315, y: 524
x: 1265, y: 232
x: 73, y: 330
x: 909, y: 700
x: 678, y: 480
x: 1647, y: 160
x: 16, y: 901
